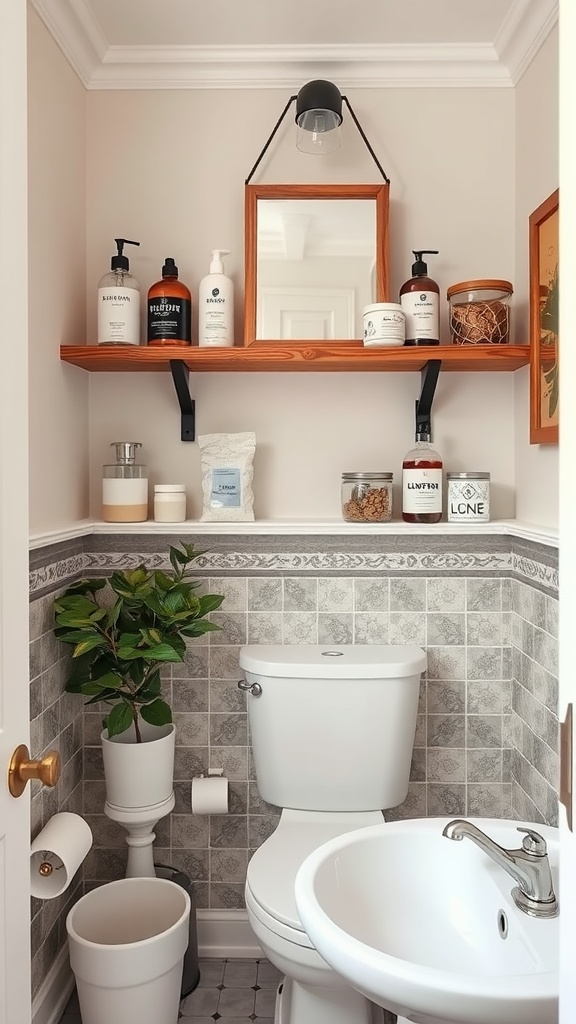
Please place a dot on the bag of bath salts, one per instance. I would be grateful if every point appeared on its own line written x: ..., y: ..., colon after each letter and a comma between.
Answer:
x: 227, y: 476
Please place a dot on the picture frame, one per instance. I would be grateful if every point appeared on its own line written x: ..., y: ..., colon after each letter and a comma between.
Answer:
x: 544, y: 338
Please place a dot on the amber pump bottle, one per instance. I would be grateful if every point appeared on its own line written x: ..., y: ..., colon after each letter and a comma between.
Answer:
x: 420, y: 300
x: 169, y: 311
x: 422, y: 480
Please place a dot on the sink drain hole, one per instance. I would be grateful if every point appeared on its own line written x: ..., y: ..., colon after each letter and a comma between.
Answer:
x: 502, y: 924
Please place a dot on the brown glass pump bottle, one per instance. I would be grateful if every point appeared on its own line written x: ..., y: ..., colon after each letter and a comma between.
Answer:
x: 169, y: 310
x: 422, y: 481
x: 420, y: 300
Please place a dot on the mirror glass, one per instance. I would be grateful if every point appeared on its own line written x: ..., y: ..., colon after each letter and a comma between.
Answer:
x: 315, y: 256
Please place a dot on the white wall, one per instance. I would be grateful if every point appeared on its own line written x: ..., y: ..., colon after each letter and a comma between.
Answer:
x: 57, y: 284
x: 168, y: 168
x: 536, y: 178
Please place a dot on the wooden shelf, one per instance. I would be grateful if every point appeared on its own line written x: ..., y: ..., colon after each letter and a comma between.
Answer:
x: 265, y: 357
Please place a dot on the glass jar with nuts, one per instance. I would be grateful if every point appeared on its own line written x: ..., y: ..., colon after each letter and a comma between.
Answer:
x: 367, y: 497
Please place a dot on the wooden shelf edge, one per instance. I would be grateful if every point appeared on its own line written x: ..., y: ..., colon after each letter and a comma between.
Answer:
x: 299, y: 357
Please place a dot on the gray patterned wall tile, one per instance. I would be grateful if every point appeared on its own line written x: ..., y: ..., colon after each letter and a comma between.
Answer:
x: 407, y: 628
x: 407, y: 595
x: 264, y: 595
x: 336, y: 595
x: 445, y: 595
x: 485, y: 697
x: 446, y: 662
x: 371, y: 628
x: 484, y: 731
x: 484, y: 663
x: 300, y: 627
x: 446, y: 697
x: 484, y: 629
x: 300, y: 595
x: 484, y: 765
x: 449, y: 629
x: 484, y: 595
x: 335, y: 629
x: 493, y: 800
x: 371, y: 595
x: 446, y: 764
x: 446, y: 799
x: 446, y: 730
x: 264, y: 628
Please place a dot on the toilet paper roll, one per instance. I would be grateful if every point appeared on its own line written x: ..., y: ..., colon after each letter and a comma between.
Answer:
x: 210, y: 794
x: 57, y: 853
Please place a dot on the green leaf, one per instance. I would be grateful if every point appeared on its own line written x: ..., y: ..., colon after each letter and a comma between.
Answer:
x: 110, y: 680
x: 161, y: 652
x: 157, y: 713
x: 163, y: 582
x: 86, y: 645
x: 210, y: 602
x: 113, y: 613
x: 199, y: 627
x: 119, y: 719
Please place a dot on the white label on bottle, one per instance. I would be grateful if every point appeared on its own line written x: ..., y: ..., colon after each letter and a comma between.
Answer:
x: 421, y: 311
x: 422, y: 490
x: 118, y: 316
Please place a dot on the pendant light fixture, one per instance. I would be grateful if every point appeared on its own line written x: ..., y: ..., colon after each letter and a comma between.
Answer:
x: 318, y: 120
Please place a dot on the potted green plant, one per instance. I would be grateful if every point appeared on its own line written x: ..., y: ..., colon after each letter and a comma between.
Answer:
x: 119, y: 646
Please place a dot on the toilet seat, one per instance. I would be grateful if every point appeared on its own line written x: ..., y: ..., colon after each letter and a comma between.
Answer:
x: 272, y: 869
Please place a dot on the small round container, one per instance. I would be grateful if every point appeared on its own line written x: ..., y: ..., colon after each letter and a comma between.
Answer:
x: 384, y: 325
x: 169, y: 503
x: 468, y: 497
x: 367, y: 497
x: 480, y: 312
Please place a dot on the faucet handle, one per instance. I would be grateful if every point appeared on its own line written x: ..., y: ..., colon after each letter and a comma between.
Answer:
x: 533, y: 842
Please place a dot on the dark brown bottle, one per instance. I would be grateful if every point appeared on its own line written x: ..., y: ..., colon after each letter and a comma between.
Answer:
x: 422, y: 483
x: 169, y: 311
x: 420, y: 300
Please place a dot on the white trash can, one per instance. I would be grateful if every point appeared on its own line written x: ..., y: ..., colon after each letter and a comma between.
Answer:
x: 127, y: 941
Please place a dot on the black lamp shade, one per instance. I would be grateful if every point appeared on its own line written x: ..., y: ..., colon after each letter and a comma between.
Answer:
x: 319, y: 95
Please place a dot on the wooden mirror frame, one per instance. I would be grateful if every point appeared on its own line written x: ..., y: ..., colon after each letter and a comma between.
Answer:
x: 255, y: 192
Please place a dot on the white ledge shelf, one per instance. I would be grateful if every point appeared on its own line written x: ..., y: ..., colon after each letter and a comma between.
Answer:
x: 301, y: 527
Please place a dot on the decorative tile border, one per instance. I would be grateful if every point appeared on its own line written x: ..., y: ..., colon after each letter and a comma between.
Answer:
x: 58, y: 571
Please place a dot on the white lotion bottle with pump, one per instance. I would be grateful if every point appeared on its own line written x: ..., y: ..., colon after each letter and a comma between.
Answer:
x: 216, y: 305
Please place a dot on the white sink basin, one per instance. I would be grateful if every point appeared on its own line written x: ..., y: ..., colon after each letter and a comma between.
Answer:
x: 414, y: 921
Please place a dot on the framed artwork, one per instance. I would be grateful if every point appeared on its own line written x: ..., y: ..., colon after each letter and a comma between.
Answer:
x: 544, y: 322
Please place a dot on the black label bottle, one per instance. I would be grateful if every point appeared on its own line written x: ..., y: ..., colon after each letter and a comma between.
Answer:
x: 420, y: 300
x: 169, y: 312
x: 422, y: 482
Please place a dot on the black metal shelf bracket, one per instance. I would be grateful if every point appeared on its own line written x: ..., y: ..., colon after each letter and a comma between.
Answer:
x: 187, y: 404
x: 429, y: 377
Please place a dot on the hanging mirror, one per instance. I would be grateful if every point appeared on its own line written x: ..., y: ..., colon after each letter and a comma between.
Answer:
x: 315, y: 255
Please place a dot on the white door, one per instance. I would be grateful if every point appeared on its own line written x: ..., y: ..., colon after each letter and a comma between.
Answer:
x: 14, y: 716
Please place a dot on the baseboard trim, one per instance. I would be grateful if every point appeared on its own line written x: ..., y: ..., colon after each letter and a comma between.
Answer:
x: 221, y: 933
x: 226, y: 933
x: 54, y: 992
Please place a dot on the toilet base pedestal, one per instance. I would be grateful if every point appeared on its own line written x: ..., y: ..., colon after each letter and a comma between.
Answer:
x: 302, y: 1004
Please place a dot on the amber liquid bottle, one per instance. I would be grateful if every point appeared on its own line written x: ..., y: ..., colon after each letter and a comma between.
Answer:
x: 169, y: 311
x: 422, y: 483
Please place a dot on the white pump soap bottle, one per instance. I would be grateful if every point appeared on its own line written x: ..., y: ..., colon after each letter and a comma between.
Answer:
x: 216, y: 305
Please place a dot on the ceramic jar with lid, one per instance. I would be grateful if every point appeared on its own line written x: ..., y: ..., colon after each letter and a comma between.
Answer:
x: 480, y: 312
x: 367, y: 497
x: 468, y: 497
x: 169, y: 503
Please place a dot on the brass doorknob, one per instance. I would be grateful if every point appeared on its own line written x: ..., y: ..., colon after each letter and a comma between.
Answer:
x: 22, y: 769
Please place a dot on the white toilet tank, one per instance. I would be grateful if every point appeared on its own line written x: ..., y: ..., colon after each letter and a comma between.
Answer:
x: 333, y: 728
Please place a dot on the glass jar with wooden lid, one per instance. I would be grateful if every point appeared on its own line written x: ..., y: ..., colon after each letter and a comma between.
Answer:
x: 480, y: 312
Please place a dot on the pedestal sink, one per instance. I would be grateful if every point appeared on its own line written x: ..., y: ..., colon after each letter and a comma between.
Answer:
x: 427, y: 927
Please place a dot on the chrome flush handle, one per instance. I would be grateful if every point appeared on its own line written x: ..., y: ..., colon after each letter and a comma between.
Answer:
x: 254, y: 688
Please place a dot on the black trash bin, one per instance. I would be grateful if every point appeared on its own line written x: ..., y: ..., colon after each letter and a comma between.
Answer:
x: 191, y: 969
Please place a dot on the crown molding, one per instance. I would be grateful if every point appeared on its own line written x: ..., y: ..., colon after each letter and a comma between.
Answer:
x: 101, y: 66
x: 522, y: 33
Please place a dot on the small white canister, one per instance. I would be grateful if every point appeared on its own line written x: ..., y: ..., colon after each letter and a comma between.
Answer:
x: 468, y: 497
x: 169, y: 503
x: 384, y: 325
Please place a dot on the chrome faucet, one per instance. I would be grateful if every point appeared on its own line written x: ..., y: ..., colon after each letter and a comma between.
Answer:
x: 529, y: 866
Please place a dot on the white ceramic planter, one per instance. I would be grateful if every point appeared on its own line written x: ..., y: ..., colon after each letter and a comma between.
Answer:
x: 139, y: 774
x: 127, y: 941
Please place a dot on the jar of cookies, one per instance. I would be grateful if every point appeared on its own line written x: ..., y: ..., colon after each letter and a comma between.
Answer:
x: 367, y: 497
x: 480, y: 312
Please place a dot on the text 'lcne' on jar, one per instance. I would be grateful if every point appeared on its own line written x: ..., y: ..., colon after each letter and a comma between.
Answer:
x: 468, y: 497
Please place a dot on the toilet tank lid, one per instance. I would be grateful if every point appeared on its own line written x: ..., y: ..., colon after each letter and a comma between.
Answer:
x: 333, y: 661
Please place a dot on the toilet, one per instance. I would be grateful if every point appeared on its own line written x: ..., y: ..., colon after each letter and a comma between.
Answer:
x: 332, y: 730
